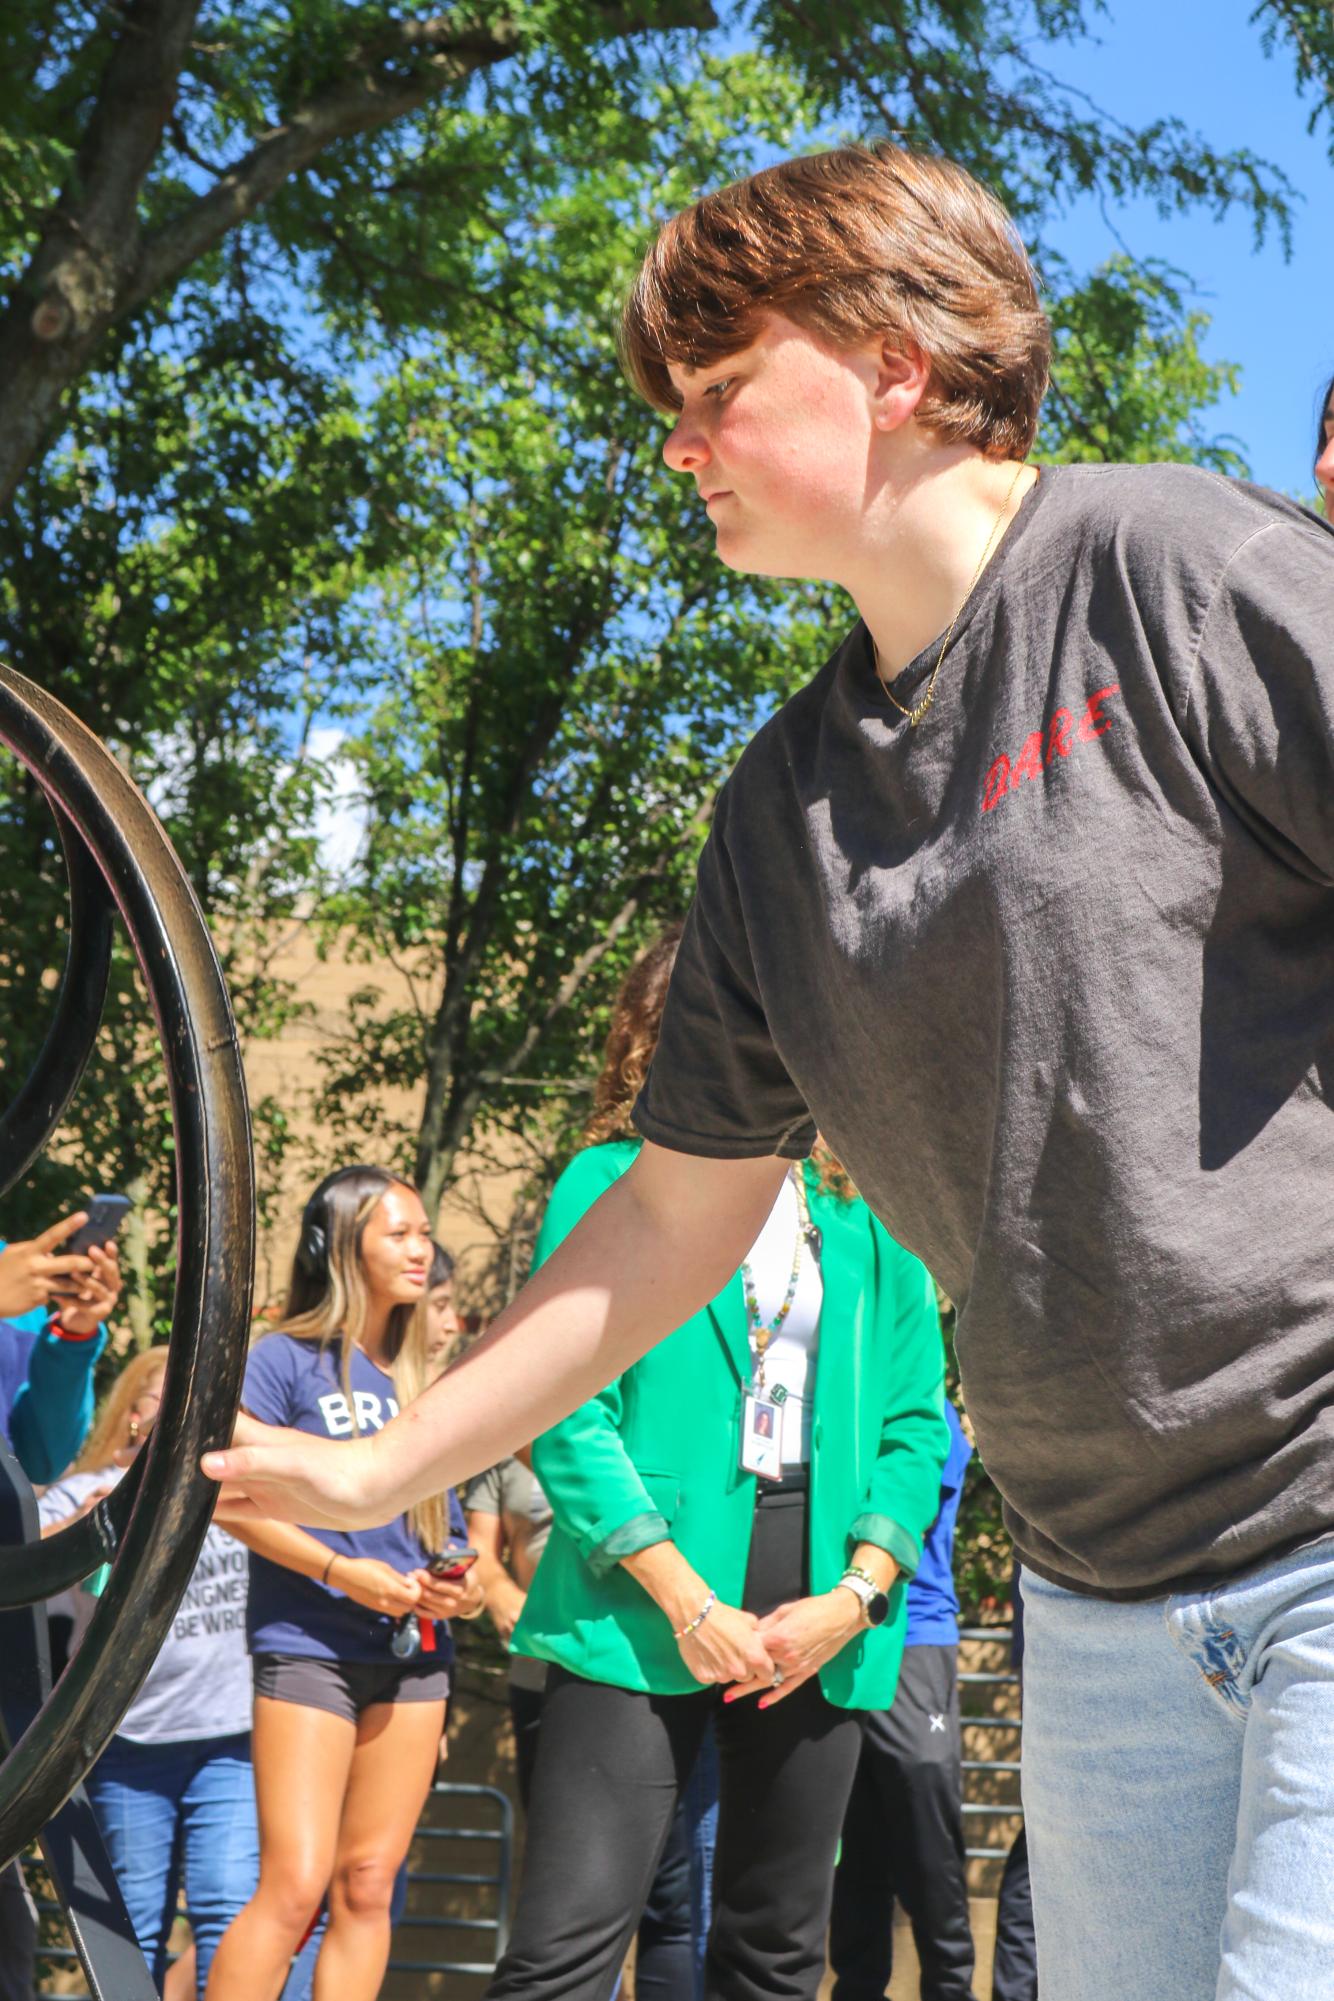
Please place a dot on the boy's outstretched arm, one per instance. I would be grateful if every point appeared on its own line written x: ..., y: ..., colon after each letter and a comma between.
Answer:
x: 652, y: 1251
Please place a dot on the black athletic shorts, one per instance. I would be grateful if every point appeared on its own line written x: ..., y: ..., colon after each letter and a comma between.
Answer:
x: 345, y: 1688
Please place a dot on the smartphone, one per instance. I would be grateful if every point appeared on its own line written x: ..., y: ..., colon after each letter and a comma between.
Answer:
x: 105, y: 1214
x: 452, y: 1564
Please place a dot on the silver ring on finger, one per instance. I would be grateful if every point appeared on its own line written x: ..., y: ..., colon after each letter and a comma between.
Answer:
x: 777, y: 1681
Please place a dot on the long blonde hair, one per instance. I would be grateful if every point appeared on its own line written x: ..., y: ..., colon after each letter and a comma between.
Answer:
x: 111, y: 1432
x: 327, y: 1302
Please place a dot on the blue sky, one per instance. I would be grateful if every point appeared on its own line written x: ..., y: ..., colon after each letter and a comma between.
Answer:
x: 1201, y: 60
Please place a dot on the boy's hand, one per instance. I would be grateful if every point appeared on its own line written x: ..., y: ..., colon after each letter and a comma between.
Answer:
x: 274, y: 1474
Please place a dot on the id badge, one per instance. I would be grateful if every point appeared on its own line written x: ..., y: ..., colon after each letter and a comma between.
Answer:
x: 762, y: 1437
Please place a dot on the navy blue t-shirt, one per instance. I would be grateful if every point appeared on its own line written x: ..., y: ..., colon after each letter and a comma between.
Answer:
x: 298, y: 1383
x: 933, y: 1602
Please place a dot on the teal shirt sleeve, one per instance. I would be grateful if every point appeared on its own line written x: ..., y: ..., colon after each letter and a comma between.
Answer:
x: 903, y: 1493
x: 53, y: 1411
x: 596, y: 1494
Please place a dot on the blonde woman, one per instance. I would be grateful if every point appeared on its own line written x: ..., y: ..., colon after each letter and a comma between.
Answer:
x: 351, y: 1664
x: 172, y: 1792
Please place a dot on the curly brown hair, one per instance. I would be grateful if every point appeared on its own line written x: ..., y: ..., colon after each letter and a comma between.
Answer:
x: 635, y: 1022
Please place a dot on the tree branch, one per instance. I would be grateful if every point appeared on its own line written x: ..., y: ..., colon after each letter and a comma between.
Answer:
x: 93, y: 266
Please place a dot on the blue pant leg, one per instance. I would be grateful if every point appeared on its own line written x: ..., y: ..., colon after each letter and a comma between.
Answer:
x: 701, y: 1816
x: 135, y: 1791
x: 1265, y: 1643
x: 1131, y: 1782
x: 221, y: 1841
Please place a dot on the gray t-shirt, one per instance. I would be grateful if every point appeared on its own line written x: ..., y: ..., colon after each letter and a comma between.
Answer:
x: 514, y: 1492
x: 199, y: 1684
x: 1054, y: 974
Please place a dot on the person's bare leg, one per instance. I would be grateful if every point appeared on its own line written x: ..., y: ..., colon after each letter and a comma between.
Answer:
x: 392, y: 1769
x: 302, y: 1761
x: 179, y: 1984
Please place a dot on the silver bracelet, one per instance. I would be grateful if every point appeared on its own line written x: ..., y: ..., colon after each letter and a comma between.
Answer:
x: 699, y: 1618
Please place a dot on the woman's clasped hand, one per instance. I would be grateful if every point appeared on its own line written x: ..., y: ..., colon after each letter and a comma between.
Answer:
x: 799, y: 1638
x: 769, y: 1657
x: 726, y: 1647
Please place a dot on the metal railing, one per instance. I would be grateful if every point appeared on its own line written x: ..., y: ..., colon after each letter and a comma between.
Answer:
x: 498, y: 1838
x: 980, y: 1811
x: 501, y: 1837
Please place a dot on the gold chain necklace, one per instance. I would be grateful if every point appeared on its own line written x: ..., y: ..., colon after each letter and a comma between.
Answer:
x: 919, y: 709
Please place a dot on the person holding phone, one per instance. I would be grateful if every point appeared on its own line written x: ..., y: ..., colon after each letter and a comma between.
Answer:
x: 172, y: 1792
x: 350, y: 1651
x: 56, y: 1291
x: 53, y: 1302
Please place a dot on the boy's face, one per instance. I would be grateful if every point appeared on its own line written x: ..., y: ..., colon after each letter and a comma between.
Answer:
x: 779, y: 440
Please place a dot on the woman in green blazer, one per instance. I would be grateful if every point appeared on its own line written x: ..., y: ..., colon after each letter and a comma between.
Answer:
x: 678, y: 1585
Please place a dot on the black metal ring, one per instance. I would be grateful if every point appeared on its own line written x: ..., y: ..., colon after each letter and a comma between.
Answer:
x: 38, y: 1571
x: 215, y: 1256
x: 37, y: 1111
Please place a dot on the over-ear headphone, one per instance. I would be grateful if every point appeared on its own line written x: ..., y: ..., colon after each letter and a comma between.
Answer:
x: 312, y: 1251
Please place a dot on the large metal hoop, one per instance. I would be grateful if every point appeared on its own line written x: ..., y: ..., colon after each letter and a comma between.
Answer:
x: 156, y: 1533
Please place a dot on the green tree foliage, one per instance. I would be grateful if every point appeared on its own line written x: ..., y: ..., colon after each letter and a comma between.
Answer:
x: 1129, y: 381
x: 1305, y: 30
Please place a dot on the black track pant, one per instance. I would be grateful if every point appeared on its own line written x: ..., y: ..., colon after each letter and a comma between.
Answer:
x: 611, y: 1765
x: 903, y: 1840
x: 18, y: 1937
x: 1015, y: 1968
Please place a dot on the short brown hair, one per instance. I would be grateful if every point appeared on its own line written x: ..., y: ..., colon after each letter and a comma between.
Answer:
x: 850, y: 244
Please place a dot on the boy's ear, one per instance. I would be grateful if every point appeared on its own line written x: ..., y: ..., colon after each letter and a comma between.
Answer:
x: 902, y: 375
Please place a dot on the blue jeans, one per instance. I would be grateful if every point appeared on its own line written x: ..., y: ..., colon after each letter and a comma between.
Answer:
x: 186, y: 1807
x: 1178, y: 1778
x: 700, y: 1802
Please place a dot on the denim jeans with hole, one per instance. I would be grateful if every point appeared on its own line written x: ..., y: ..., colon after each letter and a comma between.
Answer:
x: 1178, y: 1778
x: 169, y: 1811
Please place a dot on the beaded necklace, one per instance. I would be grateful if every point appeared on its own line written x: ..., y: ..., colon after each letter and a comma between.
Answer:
x: 760, y: 1333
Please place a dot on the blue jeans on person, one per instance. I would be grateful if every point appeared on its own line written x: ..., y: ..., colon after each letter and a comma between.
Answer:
x: 1178, y: 1780
x: 171, y: 1809
x: 700, y: 1803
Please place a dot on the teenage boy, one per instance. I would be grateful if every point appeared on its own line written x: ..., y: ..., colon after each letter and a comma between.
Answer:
x: 1028, y: 901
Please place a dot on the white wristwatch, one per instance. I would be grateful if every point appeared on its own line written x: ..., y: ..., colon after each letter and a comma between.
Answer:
x: 873, y: 1601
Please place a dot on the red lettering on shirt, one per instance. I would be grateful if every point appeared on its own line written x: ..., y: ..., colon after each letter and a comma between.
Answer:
x: 1093, y: 722
x: 998, y: 783
x: 1042, y: 747
x: 1028, y: 764
x: 1059, y: 732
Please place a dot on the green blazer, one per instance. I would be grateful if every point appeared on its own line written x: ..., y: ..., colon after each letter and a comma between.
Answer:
x: 657, y: 1455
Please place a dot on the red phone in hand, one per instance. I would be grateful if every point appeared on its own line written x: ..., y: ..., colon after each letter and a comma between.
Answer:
x: 451, y: 1564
